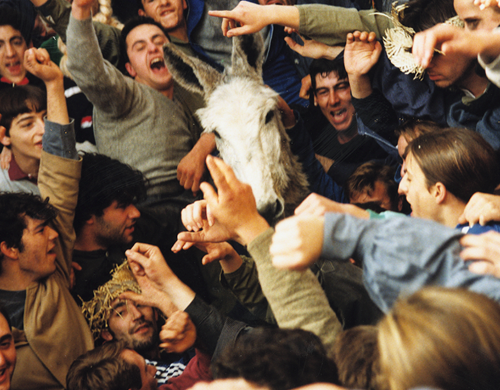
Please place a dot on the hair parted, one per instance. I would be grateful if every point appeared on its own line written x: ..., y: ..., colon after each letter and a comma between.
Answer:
x: 459, y: 158
x: 103, y: 368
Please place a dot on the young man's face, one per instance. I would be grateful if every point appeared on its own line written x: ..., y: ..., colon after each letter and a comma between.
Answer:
x: 145, y: 53
x: 452, y: 69
x: 333, y: 96
x: 25, y: 135
x: 135, y: 324
x: 12, y: 48
x: 37, y: 258
x: 475, y: 18
x: 116, y: 225
x: 169, y: 13
x: 7, y: 354
x: 148, y: 372
x: 413, y: 185
x: 379, y: 196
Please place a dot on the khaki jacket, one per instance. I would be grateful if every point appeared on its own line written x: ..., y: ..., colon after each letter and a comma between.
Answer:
x: 55, y: 331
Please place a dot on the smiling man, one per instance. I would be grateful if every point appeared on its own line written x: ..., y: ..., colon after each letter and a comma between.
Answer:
x: 339, y: 141
x: 144, y: 121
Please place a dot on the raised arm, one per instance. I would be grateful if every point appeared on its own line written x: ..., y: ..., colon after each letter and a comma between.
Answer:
x: 59, y: 172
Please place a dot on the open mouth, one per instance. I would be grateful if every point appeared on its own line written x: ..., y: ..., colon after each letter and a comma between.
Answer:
x: 157, y: 64
x: 14, y: 67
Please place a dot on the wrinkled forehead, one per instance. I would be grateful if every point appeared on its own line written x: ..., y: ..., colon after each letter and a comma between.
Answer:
x: 144, y: 32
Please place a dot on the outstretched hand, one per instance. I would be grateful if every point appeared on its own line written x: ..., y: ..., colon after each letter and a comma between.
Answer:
x: 233, y: 208
x: 362, y: 51
x: 245, y: 18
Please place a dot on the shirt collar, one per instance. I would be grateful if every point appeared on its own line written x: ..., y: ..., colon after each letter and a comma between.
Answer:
x: 16, y: 174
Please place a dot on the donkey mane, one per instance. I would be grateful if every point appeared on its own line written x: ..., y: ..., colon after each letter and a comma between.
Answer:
x: 244, y: 116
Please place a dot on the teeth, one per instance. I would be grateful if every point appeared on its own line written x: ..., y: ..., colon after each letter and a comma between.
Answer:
x: 157, y: 62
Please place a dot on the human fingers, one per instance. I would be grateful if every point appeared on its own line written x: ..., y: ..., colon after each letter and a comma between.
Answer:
x: 484, y: 268
x: 305, y: 87
x: 181, y: 245
x: 136, y: 298
x: 221, y: 173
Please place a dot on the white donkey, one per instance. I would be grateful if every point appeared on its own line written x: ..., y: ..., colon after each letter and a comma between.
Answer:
x: 243, y: 114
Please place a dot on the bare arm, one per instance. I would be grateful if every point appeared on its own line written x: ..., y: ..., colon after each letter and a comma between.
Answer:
x: 252, y: 18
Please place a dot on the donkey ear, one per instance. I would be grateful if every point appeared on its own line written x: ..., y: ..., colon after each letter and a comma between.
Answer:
x: 190, y: 72
x: 248, y: 54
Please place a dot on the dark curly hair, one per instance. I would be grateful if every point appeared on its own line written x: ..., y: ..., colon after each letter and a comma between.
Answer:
x: 14, y: 208
x: 277, y: 358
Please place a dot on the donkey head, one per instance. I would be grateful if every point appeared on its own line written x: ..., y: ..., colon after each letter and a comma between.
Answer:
x: 243, y: 114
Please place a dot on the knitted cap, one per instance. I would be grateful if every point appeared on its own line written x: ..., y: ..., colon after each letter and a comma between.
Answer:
x: 98, y: 309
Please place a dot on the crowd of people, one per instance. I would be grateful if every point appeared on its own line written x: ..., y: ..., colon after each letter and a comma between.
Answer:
x: 132, y: 257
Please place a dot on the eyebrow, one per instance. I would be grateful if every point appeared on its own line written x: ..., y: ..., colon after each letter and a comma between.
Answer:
x: 6, y: 337
x: 118, y: 305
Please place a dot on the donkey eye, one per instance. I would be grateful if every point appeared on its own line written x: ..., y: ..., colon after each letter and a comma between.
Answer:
x: 217, y: 135
x: 269, y: 116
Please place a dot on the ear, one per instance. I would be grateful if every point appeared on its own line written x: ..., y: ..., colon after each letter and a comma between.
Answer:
x: 10, y: 252
x: 190, y: 72
x: 141, y: 12
x: 130, y: 69
x: 439, y: 192
x: 248, y: 55
x: 184, y: 4
x: 106, y: 335
x: 3, y: 138
x: 91, y: 220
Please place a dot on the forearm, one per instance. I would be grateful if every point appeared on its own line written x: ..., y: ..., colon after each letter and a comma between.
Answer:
x: 205, y: 145
x: 180, y: 294
x: 287, y: 16
x: 57, y: 110
x: 296, y: 298
x: 330, y: 24
x: 361, y: 86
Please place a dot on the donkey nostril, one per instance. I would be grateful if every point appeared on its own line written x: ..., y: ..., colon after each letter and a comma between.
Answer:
x: 279, y: 208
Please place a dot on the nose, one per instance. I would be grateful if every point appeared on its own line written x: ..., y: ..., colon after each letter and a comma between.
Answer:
x: 51, y: 233
x: 134, y: 311
x: 9, y: 50
x: 133, y: 212
x: 40, y: 126
x: 403, y: 185
x: 334, y: 99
